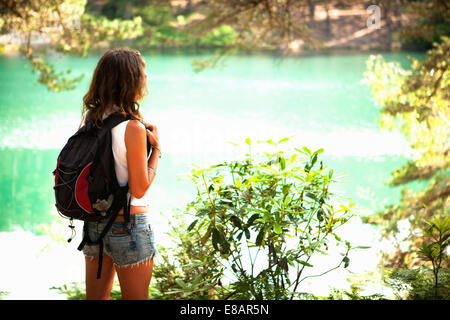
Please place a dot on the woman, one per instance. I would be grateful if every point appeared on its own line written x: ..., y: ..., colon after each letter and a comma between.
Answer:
x: 118, y: 83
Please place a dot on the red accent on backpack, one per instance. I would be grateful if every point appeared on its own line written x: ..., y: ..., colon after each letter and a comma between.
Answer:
x: 56, y: 171
x: 81, y: 190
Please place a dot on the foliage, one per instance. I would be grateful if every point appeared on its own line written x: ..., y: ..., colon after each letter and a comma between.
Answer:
x: 265, y: 219
x: 3, y: 294
x: 65, y: 28
x: 77, y: 291
x: 426, y: 283
x: 427, y: 22
x: 418, y: 283
x: 434, y: 247
x: 158, y: 29
x: 258, y: 24
x: 55, y: 81
x: 353, y: 294
x: 162, y: 27
x: 221, y: 36
x: 417, y: 102
x: 288, y: 26
x: 72, y: 291
x: 183, y: 270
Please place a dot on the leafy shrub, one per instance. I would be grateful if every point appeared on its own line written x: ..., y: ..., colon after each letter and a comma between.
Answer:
x: 182, y: 271
x: 418, y: 283
x: 265, y: 219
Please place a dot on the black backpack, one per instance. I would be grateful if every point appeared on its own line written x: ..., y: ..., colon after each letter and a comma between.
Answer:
x: 86, y: 186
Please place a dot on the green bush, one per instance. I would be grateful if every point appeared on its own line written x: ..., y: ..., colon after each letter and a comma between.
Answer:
x: 264, y: 220
x: 182, y: 270
x: 418, y: 284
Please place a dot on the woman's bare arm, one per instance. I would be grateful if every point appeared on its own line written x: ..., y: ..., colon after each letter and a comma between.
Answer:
x: 139, y: 176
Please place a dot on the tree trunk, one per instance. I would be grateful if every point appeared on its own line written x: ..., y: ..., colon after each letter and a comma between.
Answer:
x: 387, y: 16
x: 327, y: 22
x: 312, y: 9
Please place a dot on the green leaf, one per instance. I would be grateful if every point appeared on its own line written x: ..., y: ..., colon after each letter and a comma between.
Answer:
x: 313, y: 161
x: 307, y: 264
x: 260, y: 237
x: 285, y: 189
x: 277, y: 228
x: 196, y: 281
x: 287, y: 201
x: 282, y: 163
x: 192, y: 225
x: 318, y: 151
x: 206, y: 236
x: 215, y: 239
x: 252, y: 219
x: 311, y: 195
x: 294, y: 156
x: 248, y: 141
x: 182, y: 284
x: 346, y: 261
x: 321, y: 252
x: 282, y: 140
x: 362, y: 247
x: 236, y: 221
x: 219, y: 239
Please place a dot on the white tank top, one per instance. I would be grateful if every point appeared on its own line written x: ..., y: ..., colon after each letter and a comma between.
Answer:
x: 120, y: 161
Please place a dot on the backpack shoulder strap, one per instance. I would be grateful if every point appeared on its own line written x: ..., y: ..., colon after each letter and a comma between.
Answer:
x: 114, y: 119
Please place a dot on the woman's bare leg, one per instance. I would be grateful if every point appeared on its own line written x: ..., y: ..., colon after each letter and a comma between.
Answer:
x: 99, y: 289
x: 135, y: 280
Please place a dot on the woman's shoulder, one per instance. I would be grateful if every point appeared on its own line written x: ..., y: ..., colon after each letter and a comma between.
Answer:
x: 135, y: 125
x: 135, y: 128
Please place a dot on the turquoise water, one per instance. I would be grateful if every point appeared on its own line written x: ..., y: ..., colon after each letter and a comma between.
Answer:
x: 319, y: 99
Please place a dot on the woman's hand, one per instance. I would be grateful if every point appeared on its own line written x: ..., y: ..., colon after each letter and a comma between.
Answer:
x: 152, y: 134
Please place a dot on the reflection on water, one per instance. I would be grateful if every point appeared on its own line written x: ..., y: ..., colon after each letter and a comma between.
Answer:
x: 25, y: 190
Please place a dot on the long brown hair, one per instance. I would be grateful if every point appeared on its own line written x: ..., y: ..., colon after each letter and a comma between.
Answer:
x: 119, y: 81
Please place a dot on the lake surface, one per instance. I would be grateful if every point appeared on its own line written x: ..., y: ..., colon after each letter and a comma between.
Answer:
x: 319, y: 100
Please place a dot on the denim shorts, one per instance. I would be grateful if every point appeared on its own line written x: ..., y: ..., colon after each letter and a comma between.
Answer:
x: 127, y: 244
